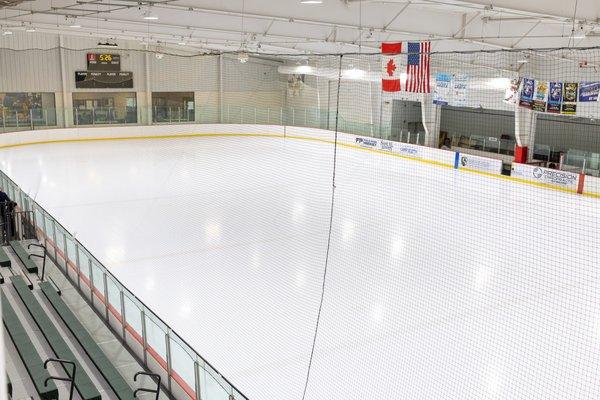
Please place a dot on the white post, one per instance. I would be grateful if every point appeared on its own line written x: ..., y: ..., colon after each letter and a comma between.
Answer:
x: 431, y: 118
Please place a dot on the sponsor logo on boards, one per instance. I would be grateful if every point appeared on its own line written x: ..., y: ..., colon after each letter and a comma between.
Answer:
x: 387, y: 145
x: 366, y: 142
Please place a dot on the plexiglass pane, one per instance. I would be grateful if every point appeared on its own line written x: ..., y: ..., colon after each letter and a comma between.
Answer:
x: 133, y: 315
x: 84, y: 265
x: 211, y: 386
x: 97, y: 277
x: 48, y: 227
x: 182, y: 363
x: 71, y: 256
x: 114, y: 298
x: 155, y: 337
x: 60, y: 245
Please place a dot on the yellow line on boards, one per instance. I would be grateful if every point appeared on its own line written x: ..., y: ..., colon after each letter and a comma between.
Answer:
x: 296, y: 137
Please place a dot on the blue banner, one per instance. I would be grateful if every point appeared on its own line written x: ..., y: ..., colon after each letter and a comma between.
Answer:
x: 588, y: 91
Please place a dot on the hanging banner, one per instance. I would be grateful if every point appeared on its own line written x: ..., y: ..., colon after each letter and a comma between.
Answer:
x: 526, y: 95
x: 540, y: 97
x: 588, y: 91
x: 555, y: 98
x: 511, y: 96
x: 390, y: 66
x: 441, y: 93
x: 460, y: 86
x: 569, y: 105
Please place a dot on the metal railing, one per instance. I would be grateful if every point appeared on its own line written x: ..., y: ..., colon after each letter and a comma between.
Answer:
x: 187, y: 375
x: 15, y: 120
x: 104, y: 115
x: 166, y: 114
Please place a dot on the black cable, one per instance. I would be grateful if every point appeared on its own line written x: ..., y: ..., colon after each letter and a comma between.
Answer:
x: 312, y: 350
x: 207, y: 53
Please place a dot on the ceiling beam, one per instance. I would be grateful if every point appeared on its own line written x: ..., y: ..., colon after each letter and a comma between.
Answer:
x: 465, y: 24
x: 525, y: 34
x: 400, y: 12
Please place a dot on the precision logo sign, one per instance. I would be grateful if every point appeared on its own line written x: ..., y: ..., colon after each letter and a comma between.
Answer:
x: 557, y: 177
x: 364, y: 142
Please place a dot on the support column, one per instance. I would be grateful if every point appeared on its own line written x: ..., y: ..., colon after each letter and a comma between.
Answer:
x: 147, y: 115
x: 431, y: 117
x: 525, y: 125
x: 221, y: 100
x: 65, y: 115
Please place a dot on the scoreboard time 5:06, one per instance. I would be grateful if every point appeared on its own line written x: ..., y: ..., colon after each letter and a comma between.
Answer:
x: 103, y: 62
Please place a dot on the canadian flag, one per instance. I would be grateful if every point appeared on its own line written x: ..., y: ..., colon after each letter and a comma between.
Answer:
x: 390, y: 78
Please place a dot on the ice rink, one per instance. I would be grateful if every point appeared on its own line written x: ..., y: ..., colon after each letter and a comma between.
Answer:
x: 441, y: 284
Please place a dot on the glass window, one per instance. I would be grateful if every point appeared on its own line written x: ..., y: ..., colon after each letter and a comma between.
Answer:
x: 27, y: 109
x: 173, y: 107
x: 91, y: 108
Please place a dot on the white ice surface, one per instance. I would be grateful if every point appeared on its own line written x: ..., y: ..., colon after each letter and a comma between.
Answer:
x: 441, y: 284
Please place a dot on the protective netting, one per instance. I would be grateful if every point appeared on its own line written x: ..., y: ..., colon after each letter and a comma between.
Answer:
x: 311, y: 237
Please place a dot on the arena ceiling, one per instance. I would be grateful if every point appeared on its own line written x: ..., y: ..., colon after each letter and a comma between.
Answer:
x: 330, y: 26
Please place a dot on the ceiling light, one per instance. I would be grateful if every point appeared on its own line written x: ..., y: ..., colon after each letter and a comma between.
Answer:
x: 107, y: 44
x: 243, y: 57
x: 311, y: 1
x: 181, y: 43
x: 149, y: 16
x: 303, y: 69
x: 74, y: 26
x: 523, y: 61
x: 580, y: 35
x: 30, y: 29
x: 5, y: 33
x: 353, y: 73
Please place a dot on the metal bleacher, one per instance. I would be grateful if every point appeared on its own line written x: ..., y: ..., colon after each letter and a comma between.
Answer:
x: 56, y: 346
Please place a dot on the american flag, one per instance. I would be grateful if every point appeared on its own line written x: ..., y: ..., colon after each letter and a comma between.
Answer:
x: 417, y: 68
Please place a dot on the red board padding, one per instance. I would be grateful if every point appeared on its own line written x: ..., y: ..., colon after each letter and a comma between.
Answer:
x: 581, y: 183
x: 391, y: 48
x: 521, y: 154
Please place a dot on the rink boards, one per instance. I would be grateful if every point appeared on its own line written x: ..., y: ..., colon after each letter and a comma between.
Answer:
x: 527, y: 174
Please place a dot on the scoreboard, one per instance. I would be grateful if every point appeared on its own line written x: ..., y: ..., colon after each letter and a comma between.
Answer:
x: 103, y: 80
x: 103, y: 72
x: 103, y: 62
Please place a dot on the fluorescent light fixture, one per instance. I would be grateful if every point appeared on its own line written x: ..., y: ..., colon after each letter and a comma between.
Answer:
x: 5, y: 33
x: 304, y: 69
x: 181, y: 43
x: 30, y: 29
x: 522, y: 61
x: 243, y: 57
x: 579, y: 35
x: 353, y: 73
x: 147, y: 15
x: 74, y: 26
x: 311, y: 1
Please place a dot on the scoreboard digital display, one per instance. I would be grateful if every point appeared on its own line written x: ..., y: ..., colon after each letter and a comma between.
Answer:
x: 103, y: 62
x: 103, y: 80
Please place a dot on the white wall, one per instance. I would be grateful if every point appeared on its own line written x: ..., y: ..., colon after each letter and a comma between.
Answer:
x: 35, y: 62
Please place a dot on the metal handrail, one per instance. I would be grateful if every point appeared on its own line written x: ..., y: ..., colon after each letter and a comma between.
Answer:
x: 133, y: 296
x: 71, y: 377
x: 39, y: 256
x: 145, y: 390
